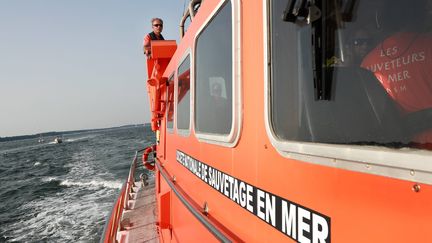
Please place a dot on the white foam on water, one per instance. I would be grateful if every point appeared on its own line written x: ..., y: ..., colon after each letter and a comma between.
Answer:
x: 63, y: 217
x: 77, y: 139
x: 67, y: 216
x: 82, y: 204
x: 75, y: 211
x: 93, y: 184
x: 49, y: 179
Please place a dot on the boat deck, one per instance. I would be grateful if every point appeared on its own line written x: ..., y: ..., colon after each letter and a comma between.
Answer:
x: 139, y: 223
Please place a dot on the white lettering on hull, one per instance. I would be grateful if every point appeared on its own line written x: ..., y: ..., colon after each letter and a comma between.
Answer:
x: 293, y: 220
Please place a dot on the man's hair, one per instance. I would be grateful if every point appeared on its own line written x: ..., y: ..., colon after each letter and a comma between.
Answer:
x: 154, y: 19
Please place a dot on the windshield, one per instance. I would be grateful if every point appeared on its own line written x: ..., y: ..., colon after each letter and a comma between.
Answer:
x: 352, y: 72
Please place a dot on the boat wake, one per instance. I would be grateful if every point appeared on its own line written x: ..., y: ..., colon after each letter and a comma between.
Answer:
x: 92, y: 184
x: 78, y: 138
x: 61, y: 218
x: 68, y: 212
x: 51, y: 193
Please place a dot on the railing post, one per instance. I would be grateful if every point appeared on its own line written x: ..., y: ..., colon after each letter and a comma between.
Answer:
x: 113, y: 225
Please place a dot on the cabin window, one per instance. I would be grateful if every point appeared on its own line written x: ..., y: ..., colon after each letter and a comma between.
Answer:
x: 186, y: 24
x: 170, y: 104
x: 214, y: 69
x: 183, y: 95
x: 351, y: 72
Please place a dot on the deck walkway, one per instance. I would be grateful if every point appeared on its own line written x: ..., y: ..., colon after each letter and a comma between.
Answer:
x: 140, y: 222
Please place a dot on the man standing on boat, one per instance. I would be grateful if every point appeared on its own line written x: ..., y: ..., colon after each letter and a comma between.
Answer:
x: 156, y: 34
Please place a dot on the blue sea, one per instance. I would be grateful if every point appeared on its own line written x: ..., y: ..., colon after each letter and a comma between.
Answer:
x: 64, y: 192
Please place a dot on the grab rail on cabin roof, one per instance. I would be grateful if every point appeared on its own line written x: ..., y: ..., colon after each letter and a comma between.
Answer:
x: 113, y: 225
x: 189, y: 12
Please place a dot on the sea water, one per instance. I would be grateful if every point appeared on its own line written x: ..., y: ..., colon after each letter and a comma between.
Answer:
x: 64, y: 192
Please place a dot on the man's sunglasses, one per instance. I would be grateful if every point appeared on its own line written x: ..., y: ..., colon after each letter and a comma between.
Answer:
x: 158, y: 25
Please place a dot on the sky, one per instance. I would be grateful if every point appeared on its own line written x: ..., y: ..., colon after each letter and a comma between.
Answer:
x: 76, y: 64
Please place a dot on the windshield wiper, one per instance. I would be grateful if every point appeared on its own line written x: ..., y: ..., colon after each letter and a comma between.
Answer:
x: 305, y: 12
x: 295, y: 9
x: 301, y: 12
x: 324, y: 35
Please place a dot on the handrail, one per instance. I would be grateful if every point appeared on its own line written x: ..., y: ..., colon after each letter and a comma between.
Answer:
x: 110, y: 230
x: 220, y: 235
x: 189, y: 12
x: 112, y: 226
x: 130, y: 181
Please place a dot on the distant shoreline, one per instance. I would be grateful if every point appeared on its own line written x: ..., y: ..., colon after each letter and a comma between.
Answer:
x: 57, y: 133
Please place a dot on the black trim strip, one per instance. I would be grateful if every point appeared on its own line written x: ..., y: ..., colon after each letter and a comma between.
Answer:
x: 197, y: 214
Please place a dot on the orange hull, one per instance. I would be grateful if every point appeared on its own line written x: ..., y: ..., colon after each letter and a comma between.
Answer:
x: 248, y: 189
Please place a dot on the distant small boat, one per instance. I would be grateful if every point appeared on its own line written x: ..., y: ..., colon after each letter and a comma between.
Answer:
x: 40, y: 140
x: 58, y: 140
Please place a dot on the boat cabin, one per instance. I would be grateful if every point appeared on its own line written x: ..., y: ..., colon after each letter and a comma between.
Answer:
x: 295, y: 121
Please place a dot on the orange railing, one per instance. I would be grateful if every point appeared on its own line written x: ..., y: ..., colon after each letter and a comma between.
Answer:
x: 112, y: 226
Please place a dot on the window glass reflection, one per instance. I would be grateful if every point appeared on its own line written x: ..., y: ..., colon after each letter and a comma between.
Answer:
x: 359, y: 74
x: 213, y: 85
x: 183, y: 95
x: 170, y: 103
